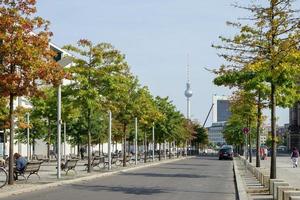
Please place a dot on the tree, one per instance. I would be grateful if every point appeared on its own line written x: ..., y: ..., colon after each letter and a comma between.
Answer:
x: 172, y: 126
x: 272, y: 40
x: 243, y: 113
x: 26, y: 60
x: 201, y: 135
x: 147, y: 113
x: 93, y: 75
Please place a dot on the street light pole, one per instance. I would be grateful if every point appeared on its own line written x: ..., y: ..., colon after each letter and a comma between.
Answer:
x: 65, y: 139
x: 165, y: 150
x: 28, y: 143
x: 109, y: 141
x: 58, y: 132
x: 153, y: 142
x: 135, y: 143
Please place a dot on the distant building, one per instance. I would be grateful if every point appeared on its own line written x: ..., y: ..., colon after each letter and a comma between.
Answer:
x: 221, y: 111
x: 220, y: 115
x: 215, y: 133
x: 294, y: 128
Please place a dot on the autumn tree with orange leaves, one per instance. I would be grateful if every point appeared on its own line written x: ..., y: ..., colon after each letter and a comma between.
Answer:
x: 26, y: 61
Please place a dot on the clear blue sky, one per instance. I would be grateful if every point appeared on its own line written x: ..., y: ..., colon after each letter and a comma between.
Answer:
x: 155, y: 36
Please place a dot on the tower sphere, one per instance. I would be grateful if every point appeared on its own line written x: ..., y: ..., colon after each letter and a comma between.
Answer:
x: 188, y: 92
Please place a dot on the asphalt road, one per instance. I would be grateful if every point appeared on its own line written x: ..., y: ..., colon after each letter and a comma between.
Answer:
x: 191, y: 179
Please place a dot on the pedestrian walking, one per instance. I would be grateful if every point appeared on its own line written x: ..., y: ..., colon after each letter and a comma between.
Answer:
x: 294, y: 157
x: 82, y: 151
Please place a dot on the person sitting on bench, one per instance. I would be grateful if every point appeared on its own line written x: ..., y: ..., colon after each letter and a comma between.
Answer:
x: 20, y: 164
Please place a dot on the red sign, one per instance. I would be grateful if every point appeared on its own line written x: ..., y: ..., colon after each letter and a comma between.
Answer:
x: 246, y: 130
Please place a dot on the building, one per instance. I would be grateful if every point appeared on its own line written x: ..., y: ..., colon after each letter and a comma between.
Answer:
x: 215, y: 133
x: 220, y: 115
x: 294, y: 128
x: 221, y: 111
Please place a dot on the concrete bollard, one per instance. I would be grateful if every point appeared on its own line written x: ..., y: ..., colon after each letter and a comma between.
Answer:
x: 272, y: 181
x: 280, y: 190
x: 294, y: 198
x: 266, y: 182
x: 275, y: 188
x: 288, y: 193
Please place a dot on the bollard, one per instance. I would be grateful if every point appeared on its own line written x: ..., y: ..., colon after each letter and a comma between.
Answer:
x: 275, y: 188
x: 280, y: 190
x: 272, y: 181
x: 294, y: 198
x: 288, y: 193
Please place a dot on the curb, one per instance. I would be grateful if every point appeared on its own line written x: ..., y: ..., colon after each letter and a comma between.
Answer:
x: 85, y: 178
x: 240, y: 186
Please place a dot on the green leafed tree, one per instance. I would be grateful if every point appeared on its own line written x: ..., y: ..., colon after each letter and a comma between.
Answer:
x: 26, y: 60
x: 97, y: 67
x: 270, y: 37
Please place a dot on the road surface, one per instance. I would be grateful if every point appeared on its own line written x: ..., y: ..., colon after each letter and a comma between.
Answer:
x: 191, y: 179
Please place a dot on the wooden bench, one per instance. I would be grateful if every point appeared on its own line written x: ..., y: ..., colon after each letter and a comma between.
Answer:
x: 32, y: 167
x: 69, y: 165
x: 40, y: 157
x: 96, y: 162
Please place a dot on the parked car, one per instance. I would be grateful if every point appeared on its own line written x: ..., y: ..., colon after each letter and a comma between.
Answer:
x: 226, y: 153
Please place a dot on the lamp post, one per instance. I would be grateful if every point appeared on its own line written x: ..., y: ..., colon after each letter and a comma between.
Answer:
x: 153, y: 142
x: 135, y: 142
x: 28, y: 143
x: 65, y: 139
x: 58, y: 132
x: 109, y: 141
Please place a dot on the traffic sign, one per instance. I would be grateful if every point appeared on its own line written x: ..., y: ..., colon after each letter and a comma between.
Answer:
x: 246, y: 130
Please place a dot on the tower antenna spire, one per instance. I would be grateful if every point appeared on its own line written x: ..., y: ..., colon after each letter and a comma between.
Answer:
x: 188, y: 68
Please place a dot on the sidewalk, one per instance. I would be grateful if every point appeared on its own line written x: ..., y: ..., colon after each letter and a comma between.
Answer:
x: 285, y: 170
x: 255, y: 182
x: 48, y: 176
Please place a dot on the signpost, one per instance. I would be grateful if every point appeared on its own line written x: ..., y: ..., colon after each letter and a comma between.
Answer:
x: 246, y: 132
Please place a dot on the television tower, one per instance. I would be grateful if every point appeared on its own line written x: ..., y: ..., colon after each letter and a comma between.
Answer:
x: 188, y: 92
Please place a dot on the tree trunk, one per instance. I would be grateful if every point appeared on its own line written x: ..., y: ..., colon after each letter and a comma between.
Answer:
x: 89, y: 167
x: 124, y: 145
x: 159, y: 152
x: 148, y: 150
x: 99, y: 148
x: 124, y: 151
x: 258, y: 129
x: 11, y: 141
x: 49, y: 140
x: 145, y: 148
x: 4, y: 143
x: 273, y: 132
x: 128, y: 146
x: 170, y: 153
x: 33, y: 146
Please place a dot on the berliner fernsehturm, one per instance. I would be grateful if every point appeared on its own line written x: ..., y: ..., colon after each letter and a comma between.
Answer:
x: 188, y: 93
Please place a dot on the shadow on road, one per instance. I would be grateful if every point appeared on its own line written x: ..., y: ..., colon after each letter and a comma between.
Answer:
x: 162, y: 175
x: 127, y: 190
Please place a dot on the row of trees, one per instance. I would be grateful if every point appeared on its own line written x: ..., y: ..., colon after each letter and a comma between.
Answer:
x: 263, y: 64
x: 99, y: 80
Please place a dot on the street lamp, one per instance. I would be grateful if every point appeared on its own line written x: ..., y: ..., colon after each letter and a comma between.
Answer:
x: 153, y: 142
x: 28, y: 144
x: 109, y: 141
x: 58, y: 132
x: 135, y: 143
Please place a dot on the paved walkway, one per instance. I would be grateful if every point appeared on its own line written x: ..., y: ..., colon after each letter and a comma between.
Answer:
x: 49, y: 179
x: 192, y: 179
x: 285, y: 169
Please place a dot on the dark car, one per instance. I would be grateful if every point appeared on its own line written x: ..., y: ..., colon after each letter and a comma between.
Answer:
x: 226, y: 153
